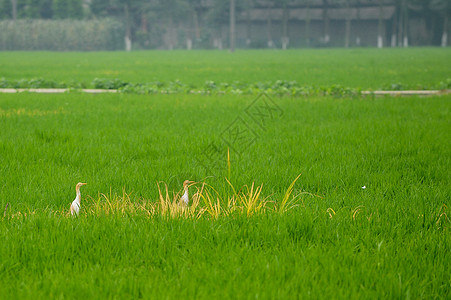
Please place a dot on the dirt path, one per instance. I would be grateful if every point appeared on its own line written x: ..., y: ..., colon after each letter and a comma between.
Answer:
x: 98, y: 91
x: 55, y: 91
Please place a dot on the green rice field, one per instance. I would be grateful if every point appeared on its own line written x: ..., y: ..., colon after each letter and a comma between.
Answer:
x: 309, y: 197
x: 416, y: 68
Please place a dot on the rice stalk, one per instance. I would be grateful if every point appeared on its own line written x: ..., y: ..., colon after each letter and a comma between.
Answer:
x: 213, y: 208
x: 286, y: 204
x: 229, y: 166
x: 331, y: 212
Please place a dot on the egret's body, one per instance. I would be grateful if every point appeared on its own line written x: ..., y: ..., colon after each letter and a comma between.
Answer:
x: 185, y: 198
x: 75, y: 206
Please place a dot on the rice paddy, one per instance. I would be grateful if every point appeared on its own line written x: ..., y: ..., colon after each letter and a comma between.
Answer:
x: 294, y: 197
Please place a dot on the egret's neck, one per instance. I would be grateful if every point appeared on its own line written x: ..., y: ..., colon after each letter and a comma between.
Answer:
x: 78, y: 195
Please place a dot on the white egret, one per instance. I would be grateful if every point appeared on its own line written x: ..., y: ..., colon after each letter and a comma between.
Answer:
x: 185, y: 199
x: 75, y: 206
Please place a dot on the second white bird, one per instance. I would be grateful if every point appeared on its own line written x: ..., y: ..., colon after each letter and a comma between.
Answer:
x: 75, y: 206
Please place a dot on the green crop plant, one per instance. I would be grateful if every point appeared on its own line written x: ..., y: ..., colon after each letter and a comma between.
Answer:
x: 368, y: 218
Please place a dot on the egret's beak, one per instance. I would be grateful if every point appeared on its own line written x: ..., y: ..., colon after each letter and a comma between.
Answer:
x: 83, y: 183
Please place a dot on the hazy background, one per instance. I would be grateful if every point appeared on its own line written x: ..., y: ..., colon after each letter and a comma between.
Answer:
x: 91, y: 25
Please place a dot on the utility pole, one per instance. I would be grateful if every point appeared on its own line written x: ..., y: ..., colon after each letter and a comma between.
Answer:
x: 232, y: 26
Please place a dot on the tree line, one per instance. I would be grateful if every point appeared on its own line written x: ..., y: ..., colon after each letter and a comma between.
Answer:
x: 149, y: 23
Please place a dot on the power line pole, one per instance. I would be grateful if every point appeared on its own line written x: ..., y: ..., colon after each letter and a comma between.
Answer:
x: 232, y: 25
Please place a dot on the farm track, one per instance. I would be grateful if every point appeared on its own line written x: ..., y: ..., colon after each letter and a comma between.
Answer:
x: 99, y: 91
x: 55, y: 91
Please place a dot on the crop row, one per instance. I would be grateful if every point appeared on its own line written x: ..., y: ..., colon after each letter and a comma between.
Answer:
x: 278, y: 87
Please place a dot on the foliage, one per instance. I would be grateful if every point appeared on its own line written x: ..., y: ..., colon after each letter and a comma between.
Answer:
x: 146, y: 22
x: 61, y: 35
x: 108, y: 84
x: 67, y: 9
x: 445, y: 85
x: 278, y: 88
x: 5, y: 9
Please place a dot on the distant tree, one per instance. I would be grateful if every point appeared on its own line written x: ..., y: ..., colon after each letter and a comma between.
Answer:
x: 216, y: 16
x: 401, y: 24
x: 75, y: 9
x: 405, y: 23
x: 194, y: 8
x: 443, y: 8
x: 346, y: 4
x: 171, y: 13
x: 358, y: 4
x: 285, y: 19
x: 45, y: 9
x: 126, y: 10
x: 32, y: 9
x: 14, y: 9
x: 232, y: 25
x: 5, y: 9
x: 380, y: 39
x: 60, y: 9
x: 306, y: 4
x: 326, y: 21
x: 248, y: 5
x: 269, y: 6
x: 20, y: 7
x: 284, y: 6
x: 100, y: 7
x: 351, y: 6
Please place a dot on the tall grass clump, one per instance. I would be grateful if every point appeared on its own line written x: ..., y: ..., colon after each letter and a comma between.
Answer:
x: 205, y: 202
